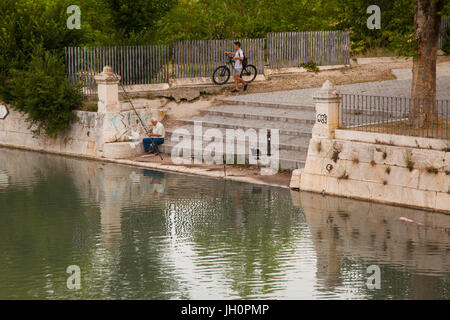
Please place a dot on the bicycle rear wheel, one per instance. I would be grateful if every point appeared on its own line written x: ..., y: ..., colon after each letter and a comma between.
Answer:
x: 221, y: 75
x: 249, y: 73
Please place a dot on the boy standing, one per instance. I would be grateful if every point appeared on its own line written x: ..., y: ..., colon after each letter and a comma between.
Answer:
x: 238, y: 58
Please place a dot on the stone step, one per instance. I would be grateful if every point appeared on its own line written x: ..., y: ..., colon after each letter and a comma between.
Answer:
x: 263, y: 113
x: 301, y: 151
x: 286, y: 142
x: 285, y: 128
x: 243, y: 102
x: 288, y: 159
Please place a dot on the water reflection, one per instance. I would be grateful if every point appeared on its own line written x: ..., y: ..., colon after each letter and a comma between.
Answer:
x: 413, y: 256
x: 140, y: 234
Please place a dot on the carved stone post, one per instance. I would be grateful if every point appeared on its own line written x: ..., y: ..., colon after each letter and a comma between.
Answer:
x: 327, y: 101
x: 108, y: 90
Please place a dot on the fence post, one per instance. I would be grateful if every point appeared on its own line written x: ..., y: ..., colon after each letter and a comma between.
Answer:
x: 327, y: 101
x: 108, y: 90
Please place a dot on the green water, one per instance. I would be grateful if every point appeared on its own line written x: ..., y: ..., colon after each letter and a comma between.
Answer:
x: 140, y: 234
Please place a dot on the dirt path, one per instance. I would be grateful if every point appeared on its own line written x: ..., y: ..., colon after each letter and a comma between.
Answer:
x: 281, y: 82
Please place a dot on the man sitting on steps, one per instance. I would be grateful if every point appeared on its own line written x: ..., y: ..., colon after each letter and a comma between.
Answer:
x: 156, y: 135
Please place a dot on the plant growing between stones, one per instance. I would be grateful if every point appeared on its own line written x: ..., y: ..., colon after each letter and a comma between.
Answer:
x: 408, y: 160
x: 432, y: 170
x: 373, y: 163
x: 388, y: 170
x: 319, y: 146
x: 409, y: 164
x: 355, y: 160
x: 385, y: 182
x: 390, y: 143
x: 335, y: 155
x: 343, y: 176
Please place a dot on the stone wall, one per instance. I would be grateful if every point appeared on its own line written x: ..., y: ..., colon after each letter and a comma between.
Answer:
x: 80, y: 139
x: 401, y: 170
x: 97, y: 134
x: 383, y: 173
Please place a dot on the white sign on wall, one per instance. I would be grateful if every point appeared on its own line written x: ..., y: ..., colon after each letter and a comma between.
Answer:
x: 3, y: 111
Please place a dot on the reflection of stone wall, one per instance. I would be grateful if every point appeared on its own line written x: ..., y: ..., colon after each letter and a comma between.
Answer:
x: 109, y: 185
x: 345, y: 227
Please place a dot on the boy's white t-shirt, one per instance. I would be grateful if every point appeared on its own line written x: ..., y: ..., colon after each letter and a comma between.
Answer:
x: 238, y: 63
x: 159, y: 129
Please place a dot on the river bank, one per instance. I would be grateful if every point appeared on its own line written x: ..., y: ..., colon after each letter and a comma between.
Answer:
x: 248, y: 174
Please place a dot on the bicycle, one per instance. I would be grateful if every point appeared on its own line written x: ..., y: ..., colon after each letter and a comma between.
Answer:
x: 222, y: 74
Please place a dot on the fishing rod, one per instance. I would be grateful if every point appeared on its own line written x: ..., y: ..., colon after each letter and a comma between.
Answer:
x: 139, y: 117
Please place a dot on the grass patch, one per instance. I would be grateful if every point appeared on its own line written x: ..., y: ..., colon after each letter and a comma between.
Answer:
x: 310, y: 66
x: 89, y: 106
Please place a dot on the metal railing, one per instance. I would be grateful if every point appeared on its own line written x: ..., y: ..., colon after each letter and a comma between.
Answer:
x: 135, y: 64
x: 445, y: 24
x: 291, y: 49
x: 395, y: 115
x: 199, y: 58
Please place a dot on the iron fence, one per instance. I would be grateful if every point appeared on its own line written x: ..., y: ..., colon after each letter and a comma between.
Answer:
x: 135, y: 64
x: 199, y: 58
x: 395, y: 115
x: 291, y: 49
x: 445, y: 24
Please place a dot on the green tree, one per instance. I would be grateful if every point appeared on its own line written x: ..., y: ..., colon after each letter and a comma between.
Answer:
x: 396, y: 24
x: 137, y: 16
x: 219, y: 19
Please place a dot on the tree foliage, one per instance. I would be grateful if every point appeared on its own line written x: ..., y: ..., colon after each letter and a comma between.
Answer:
x: 27, y: 24
x: 33, y: 35
x: 43, y: 92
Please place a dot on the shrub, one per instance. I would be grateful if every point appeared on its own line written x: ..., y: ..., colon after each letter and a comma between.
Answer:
x: 43, y: 92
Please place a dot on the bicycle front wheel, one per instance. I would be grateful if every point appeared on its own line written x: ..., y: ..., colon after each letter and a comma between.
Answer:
x: 221, y: 75
x: 249, y: 73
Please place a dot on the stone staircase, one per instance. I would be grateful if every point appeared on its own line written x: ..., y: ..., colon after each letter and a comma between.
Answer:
x: 294, y: 123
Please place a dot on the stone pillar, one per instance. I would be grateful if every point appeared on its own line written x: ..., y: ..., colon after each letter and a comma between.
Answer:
x: 108, y: 90
x: 327, y: 101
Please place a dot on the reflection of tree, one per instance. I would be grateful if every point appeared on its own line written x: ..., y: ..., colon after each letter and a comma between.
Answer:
x: 40, y: 236
x: 245, y: 231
